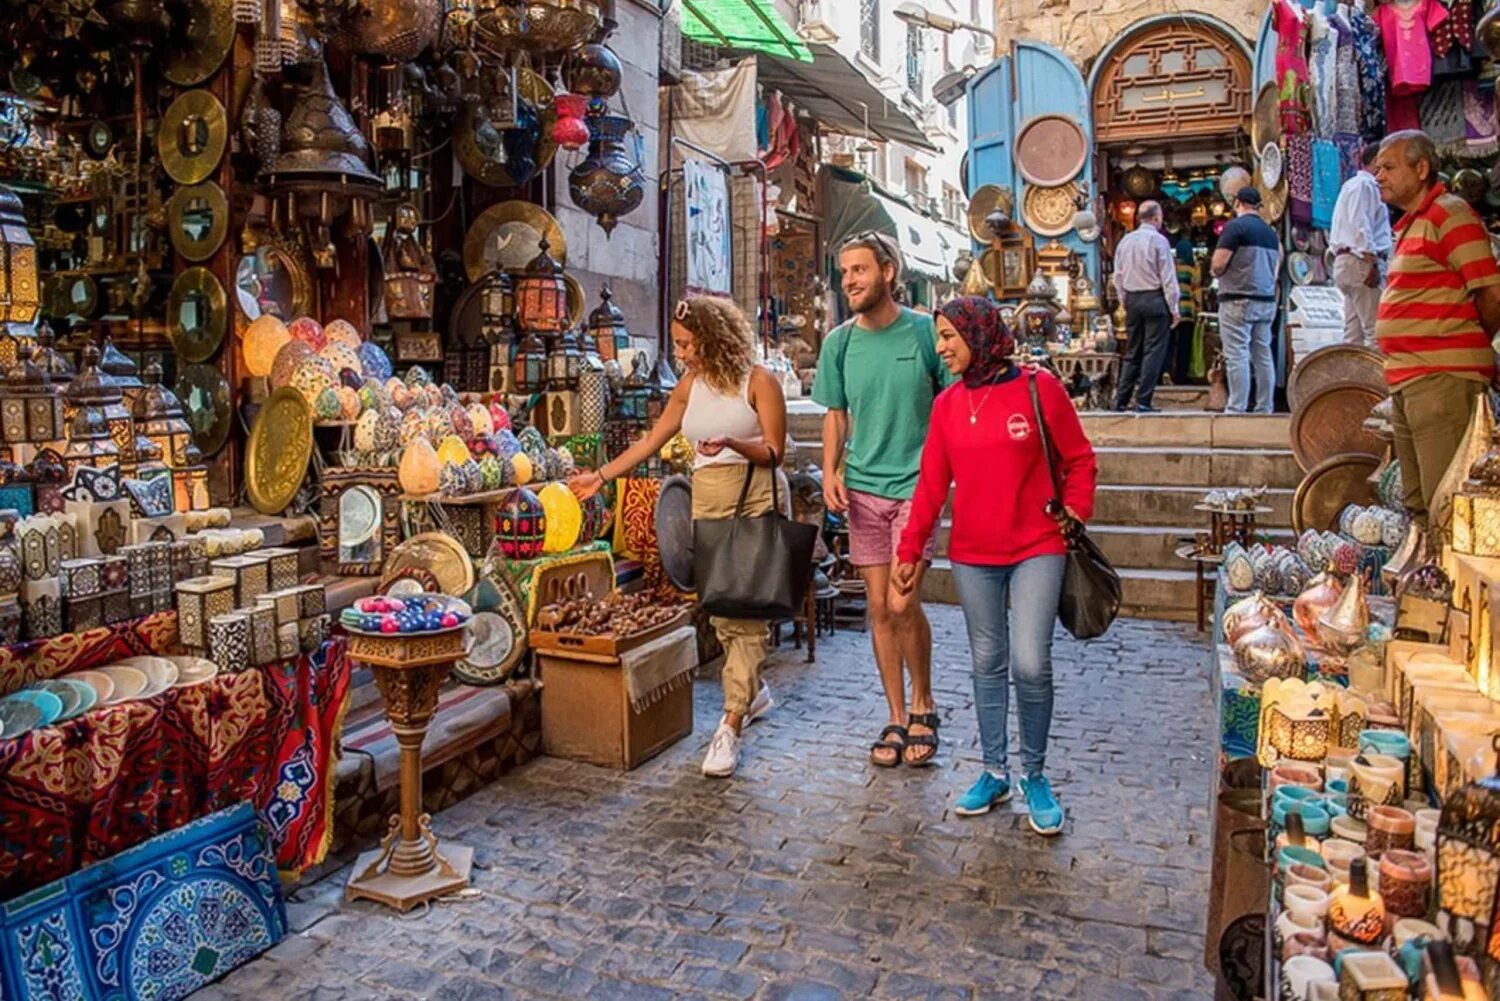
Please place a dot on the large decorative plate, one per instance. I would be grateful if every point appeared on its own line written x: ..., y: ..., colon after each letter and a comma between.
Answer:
x: 508, y: 236
x: 359, y: 517
x: 1335, y: 363
x: 77, y: 696
x: 1272, y: 200
x: 194, y: 670
x: 281, y: 442
x: 1265, y: 120
x: 1050, y: 211
x: 193, y: 136
x: 437, y: 554
x: 1051, y: 150
x: 129, y: 682
x: 102, y: 684
x: 1334, y: 484
x: 986, y: 200
x: 200, y: 42
x: 478, y: 151
x: 1139, y: 182
x: 183, y: 215
x: 197, y: 314
x: 674, y: 530
x: 49, y: 704
x: 204, y: 393
x: 1331, y: 421
x: 1270, y: 165
x: 1299, y: 267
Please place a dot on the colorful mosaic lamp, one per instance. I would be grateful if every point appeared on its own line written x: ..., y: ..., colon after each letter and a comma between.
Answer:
x: 564, y: 362
x: 1476, y: 506
x: 542, y: 295
x: 497, y: 308
x: 20, y: 289
x: 529, y: 367
x: 607, y: 328
x: 90, y: 444
x: 1468, y: 872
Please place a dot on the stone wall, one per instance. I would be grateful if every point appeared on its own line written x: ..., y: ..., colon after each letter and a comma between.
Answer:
x: 1082, y: 28
x: 627, y: 259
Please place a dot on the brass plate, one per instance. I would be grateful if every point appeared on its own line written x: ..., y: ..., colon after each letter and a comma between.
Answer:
x: 194, y: 134
x: 491, y: 660
x: 198, y: 249
x: 281, y: 443
x: 1051, y: 150
x: 576, y: 301
x: 200, y: 43
x: 204, y: 393
x: 481, y: 162
x: 1050, y: 211
x: 1332, y: 485
x: 507, y: 236
x: 1265, y: 120
x: 1331, y: 421
x: 1272, y: 200
x: 439, y: 555
x: 1335, y: 363
x: 987, y: 199
x: 201, y: 342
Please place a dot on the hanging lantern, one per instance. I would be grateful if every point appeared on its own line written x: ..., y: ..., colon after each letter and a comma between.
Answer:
x: 118, y: 366
x: 92, y: 388
x: 542, y: 295
x: 564, y: 361
x: 608, y: 183
x: 20, y: 292
x: 246, y: 11
x: 495, y: 307
x: 530, y: 366
x: 607, y: 327
x: 593, y: 70
x: 570, y: 131
x: 593, y: 395
x: 31, y: 411
x: 159, y: 415
x: 1468, y: 871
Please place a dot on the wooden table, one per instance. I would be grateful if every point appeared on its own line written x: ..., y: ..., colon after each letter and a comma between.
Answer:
x: 1205, y: 582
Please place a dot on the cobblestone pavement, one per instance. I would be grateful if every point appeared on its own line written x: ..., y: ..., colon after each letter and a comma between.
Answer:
x: 812, y: 875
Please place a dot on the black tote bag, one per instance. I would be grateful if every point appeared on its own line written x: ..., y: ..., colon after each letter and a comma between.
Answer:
x: 753, y: 568
x: 1090, y: 597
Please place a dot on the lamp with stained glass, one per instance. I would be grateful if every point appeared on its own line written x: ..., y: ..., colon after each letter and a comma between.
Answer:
x: 607, y: 328
x: 93, y: 388
x: 530, y: 364
x: 564, y: 362
x: 159, y: 415
x: 542, y: 295
x: 89, y: 443
x: 31, y: 409
x: 496, y: 308
x: 120, y: 368
x: 1476, y: 506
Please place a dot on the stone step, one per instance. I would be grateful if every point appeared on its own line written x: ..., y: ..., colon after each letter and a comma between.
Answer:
x: 1173, y: 398
x: 1195, y: 429
x: 1170, y: 465
x: 1173, y: 505
x: 1146, y: 594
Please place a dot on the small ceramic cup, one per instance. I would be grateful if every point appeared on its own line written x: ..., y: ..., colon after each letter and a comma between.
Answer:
x: 1315, y: 819
x: 1309, y: 875
x: 1425, y: 836
x: 1299, y: 973
x: 1336, y: 765
x: 1305, y: 943
x: 1389, y: 827
x: 1306, y: 901
x: 1405, y: 881
x: 1388, y: 742
x: 1288, y: 774
x: 1289, y: 924
x: 1348, y: 829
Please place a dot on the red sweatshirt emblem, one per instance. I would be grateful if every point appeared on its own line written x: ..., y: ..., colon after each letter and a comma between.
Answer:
x: 1019, y: 427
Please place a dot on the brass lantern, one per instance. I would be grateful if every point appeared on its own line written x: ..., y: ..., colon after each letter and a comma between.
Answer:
x: 607, y: 327
x: 1476, y: 506
x: 159, y: 415
x: 90, y: 445
x: 542, y: 295
x: 190, y: 483
x: 31, y: 409
x: 1468, y: 872
x: 52, y: 362
x: 91, y: 387
x: 496, y: 307
x: 635, y: 394
x: 564, y: 361
x: 530, y: 365
x: 20, y: 289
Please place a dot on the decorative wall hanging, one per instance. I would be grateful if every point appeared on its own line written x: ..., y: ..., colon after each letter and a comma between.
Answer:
x: 197, y: 314
x: 193, y: 136
x: 280, y: 445
x: 205, y: 397
x: 1270, y: 165
x: 198, y: 220
x: 505, y: 237
x: 1051, y: 150
x: 1049, y: 211
x: 1174, y: 78
x: 200, y: 42
x: 1139, y: 182
x: 509, y: 156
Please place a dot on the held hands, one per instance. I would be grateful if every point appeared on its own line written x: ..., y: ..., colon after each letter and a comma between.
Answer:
x: 904, y: 577
x: 1372, y: 275
x: 835, y: 494
x: 586, y: 485
x: 712, y: 446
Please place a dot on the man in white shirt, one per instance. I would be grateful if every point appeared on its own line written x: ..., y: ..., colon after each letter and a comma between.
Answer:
x: 1146, y: 282
x: 1361, y: 241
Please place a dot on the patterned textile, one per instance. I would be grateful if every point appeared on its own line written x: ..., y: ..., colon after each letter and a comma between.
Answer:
x: 1346, y: 79
x: 1299, y: 169
x: 1442, y: 115
x: 635, y: 530
x: 1479, y: 120
x: 1291, y: 65
x: 991, y: 344
x: 85, y: 790
x: 24, y: 663
x: 1322, y: 72
x: 1327, y: 179
x: 1370, y: 60
x: 1350, y: 146
x: 1457, y: 28
x: 157, y: 922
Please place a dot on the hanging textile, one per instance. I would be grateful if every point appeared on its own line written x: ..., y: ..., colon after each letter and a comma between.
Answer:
x: 1370, y: 61
x: 717, y: 112
x: 1299, y: 169
x: 1291, y: 65
x: 1442, y: 116
x: 1322, y: 72
x: 1346, y: 79
x: 1479, y: 121
x: 1327, y: 177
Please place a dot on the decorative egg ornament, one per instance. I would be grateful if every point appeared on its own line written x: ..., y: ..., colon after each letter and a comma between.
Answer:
x: 343, y: 332
x: 521, y: 526
x: 564, y: 518
x: 522, y: 466
x: 453, y: 450
x: 418, y: 472
x: 263, y: 339
x: 288, y: 360
x: 309, y: 332
x: 375, y: 363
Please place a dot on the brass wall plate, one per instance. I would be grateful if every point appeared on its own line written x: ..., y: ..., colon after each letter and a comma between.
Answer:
x: 200, y: 43
x: 205, y: 397
x: 508, y: 236
x: 194, y: 134
x: 197, y: 314
x: 198, y: 220
x: 281, y: 443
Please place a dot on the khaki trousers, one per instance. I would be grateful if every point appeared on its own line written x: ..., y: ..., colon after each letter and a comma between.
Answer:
x: 1431, y: 415
x: 716, y: 491
x: 1361, y: 301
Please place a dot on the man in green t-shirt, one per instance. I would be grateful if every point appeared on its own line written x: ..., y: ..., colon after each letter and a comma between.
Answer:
x: 877, y: 375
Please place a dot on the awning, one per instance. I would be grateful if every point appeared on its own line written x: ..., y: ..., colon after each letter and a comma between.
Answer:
x: 839, y: 96
x: 753, y: 25
x: 852, y: 203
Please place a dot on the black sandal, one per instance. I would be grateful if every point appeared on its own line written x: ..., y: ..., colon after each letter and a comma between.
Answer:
x: 884, y: 743
x: 931, y: 721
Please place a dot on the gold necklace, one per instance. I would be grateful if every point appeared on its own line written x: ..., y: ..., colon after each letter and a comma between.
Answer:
x: 973, y: 410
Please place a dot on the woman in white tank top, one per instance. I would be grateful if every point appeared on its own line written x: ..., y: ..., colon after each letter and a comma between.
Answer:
x: 733, y: 412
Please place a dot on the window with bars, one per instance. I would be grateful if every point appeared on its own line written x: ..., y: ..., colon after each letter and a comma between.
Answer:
x: 914, y: 59
x: 869, y: 29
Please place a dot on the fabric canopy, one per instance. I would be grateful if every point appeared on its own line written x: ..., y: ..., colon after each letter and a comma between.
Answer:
x: 852, y: 204
x: 840, y: 97
x: 753, y: 25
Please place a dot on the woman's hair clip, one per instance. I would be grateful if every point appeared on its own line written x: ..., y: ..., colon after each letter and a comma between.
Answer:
x: 681, y: 312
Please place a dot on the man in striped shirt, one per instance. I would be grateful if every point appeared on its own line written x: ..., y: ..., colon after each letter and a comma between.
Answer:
x: 1440, y: 307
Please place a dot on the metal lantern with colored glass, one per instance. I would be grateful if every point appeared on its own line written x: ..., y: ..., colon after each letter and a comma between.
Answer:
x: 119, y: 367
x: 190, y: 483
x: 92, y: 387
x: 20, y: 288
x: 607, y: 328
x: 160, y: 417
x: 496, y: 306
x: 89, y: 443
x: 564, y: 362
x: 542, y: 295
x: 529, y: 367
x: 31, y: 409
x: 635, y: 396
x: 1476, y: 506
x: 1468, y: 871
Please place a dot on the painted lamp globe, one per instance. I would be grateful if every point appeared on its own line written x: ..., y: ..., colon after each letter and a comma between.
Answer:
x: 93, y: 388
x: 31, y: 410
x: 607, y: 328
x: 1468, y: 872
x: 542, y: 295
x: 159, y: 415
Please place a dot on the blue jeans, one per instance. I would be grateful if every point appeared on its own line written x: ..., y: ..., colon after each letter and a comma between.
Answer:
x: 1010, y: 611
x: 1245, y: 333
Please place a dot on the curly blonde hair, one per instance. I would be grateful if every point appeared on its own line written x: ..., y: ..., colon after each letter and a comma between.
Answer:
x: 724, y: 339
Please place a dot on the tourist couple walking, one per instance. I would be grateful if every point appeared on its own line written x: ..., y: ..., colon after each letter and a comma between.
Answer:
x: 916, y: 404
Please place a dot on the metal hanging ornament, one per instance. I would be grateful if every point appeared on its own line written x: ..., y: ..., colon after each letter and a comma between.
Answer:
x: 608, y: 183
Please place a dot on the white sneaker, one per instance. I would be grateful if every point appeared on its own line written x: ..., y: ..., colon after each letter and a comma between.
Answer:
x: 763, y: 704
x: 723, y: 753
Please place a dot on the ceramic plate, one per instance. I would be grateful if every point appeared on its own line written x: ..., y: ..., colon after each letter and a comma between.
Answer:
x: 194, y: 670
x: 50, y: 705
x: 78, y: 696
x: 129, y: 682
x: 1270, y: 164
x: 1299, y: 267
x: 359, y: 517
x: 102, y: 684
x: 160, y: 673
x: 18, y: 717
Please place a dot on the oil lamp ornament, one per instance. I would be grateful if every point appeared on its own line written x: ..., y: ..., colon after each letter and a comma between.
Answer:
x: 608, y: 183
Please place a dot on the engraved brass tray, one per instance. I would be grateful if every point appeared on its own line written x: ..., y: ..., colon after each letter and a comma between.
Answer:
x: 281, y: 443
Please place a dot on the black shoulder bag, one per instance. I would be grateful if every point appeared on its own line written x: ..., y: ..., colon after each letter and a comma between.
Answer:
x: 1090, y: 597
x: 753, y: 568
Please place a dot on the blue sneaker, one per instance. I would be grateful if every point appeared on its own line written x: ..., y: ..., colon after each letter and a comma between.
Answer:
x: 986, y: 792
x: 1046, y: 814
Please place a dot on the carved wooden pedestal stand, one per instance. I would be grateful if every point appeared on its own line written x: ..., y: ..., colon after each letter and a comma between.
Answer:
x: 407, y: 869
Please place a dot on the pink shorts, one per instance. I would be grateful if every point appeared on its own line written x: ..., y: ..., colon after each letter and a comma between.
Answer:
x: 875, y: 527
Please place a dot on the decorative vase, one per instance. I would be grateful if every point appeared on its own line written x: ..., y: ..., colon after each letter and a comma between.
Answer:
x: 1341, y: 629
x: 1321, y: 595
x: 608, y: 183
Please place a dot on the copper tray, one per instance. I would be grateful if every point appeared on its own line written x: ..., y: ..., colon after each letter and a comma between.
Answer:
x: 987, y: 199
x: 281, y: 442
x: 1335, y: 363
x: 508, y: 235
x: 1336, y: 482
x: 1051, y: 150
x: 436, y: 554
x: 1265, y: 120
x: 1332, y: 422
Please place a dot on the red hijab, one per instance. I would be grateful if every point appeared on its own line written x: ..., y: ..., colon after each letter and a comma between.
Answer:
x: 978, y: 322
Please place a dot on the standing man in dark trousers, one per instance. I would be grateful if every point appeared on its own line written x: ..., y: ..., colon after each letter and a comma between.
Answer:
x: 1146, y: 281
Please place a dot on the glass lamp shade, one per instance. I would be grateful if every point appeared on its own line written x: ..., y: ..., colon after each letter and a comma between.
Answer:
x: 1468, y: 868
x: 530, y: 365
x: 190, y: 488
x: 496, y: 306
x: 607, y: 328
x: 89, y: 443
x: 31, y: 406
x: 20, y: 290
x: 542, y: 295
x: 265, y: 336
x: 159, y: 417
x: 557, y: 364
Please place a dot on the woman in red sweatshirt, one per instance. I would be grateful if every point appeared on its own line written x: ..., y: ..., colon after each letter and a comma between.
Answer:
x: 1007, y: 544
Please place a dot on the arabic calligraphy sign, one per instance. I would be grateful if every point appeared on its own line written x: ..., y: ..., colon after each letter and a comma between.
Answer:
x: 1172, y: 79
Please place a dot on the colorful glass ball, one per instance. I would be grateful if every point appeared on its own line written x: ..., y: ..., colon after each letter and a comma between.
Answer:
x: 373, y: 360
x: 521, y: 525
x: 309, y: 332
x: 288, y: 359
x: 343, y: 332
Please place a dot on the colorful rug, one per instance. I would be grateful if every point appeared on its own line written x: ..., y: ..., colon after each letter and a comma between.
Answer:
x: 39, y: 660
x: 159, y: 921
